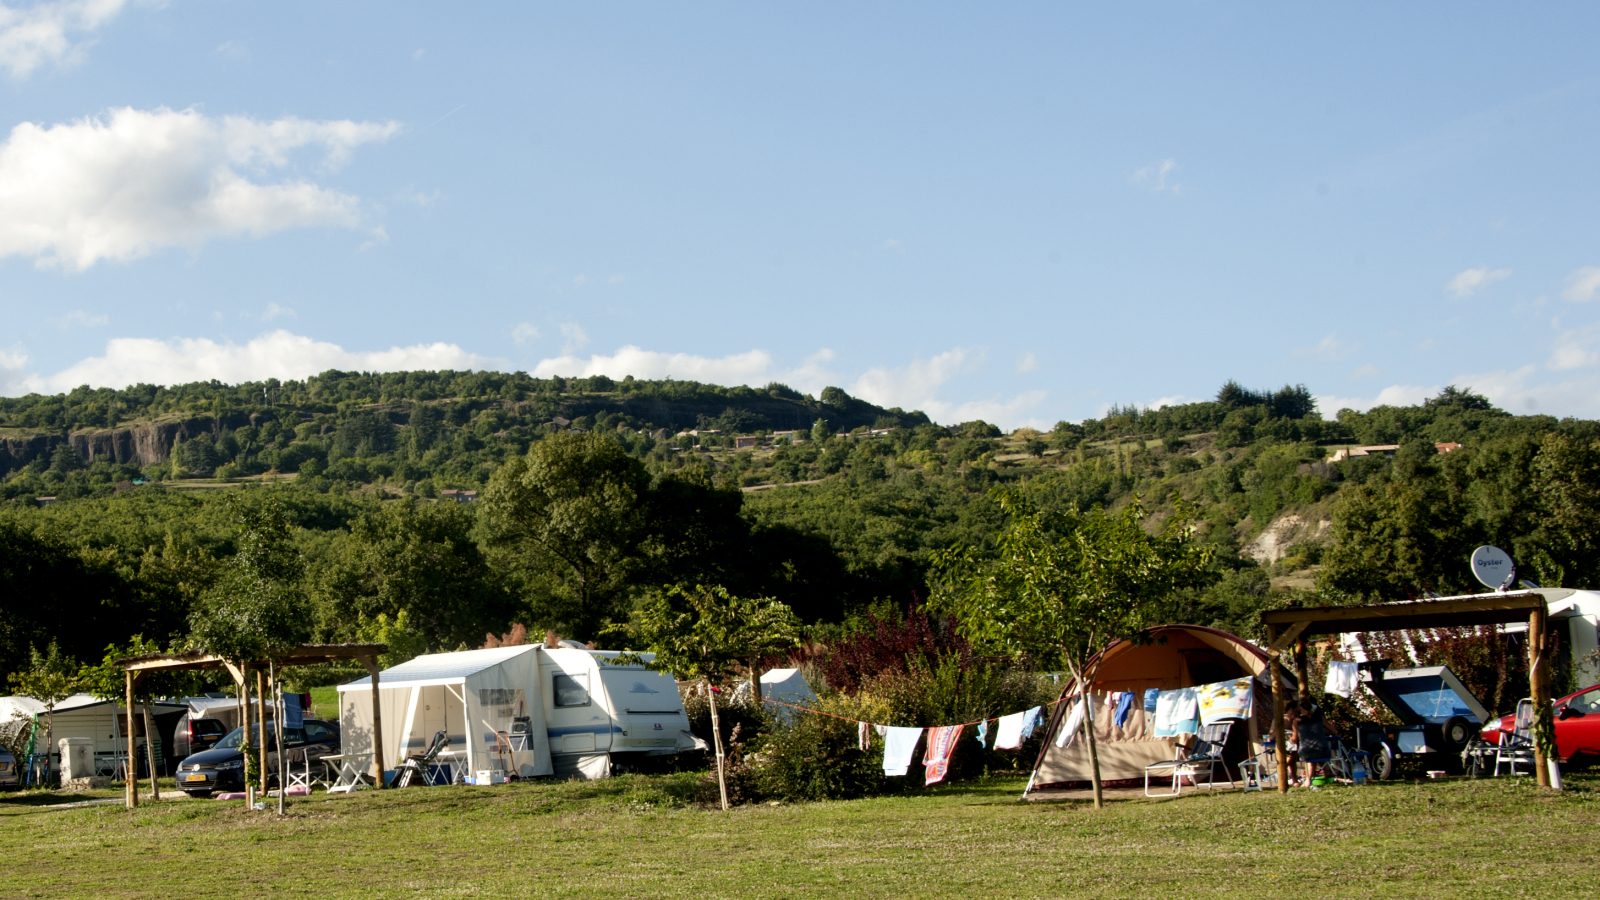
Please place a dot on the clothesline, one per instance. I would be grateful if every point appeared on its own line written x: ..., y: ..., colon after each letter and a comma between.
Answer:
x: 848, y: 719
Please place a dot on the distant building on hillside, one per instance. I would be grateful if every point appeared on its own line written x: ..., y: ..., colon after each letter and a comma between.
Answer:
x: 459, y: 496
x: 1344, y: 453
x: 793, y: 437
x: 44, y: 501
x: 747, y: 441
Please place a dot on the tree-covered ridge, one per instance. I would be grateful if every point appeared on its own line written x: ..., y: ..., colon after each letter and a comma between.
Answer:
x: 830, y: 520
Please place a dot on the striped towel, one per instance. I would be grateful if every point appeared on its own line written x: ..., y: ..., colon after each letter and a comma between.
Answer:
x: 941, y: 746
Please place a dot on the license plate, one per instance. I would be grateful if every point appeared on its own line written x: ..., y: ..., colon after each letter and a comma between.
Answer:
x: 195, y: 778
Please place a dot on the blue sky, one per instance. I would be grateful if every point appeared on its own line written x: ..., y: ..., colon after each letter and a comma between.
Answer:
x: 1022, y: 213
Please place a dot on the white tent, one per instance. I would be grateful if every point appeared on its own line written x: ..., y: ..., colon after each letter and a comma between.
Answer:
x: 786, y: 686
x: 484, y: 701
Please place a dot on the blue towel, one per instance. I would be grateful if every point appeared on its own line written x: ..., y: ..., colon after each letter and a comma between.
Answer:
x: 983, y: 733
x: 1124, y: 707
x: 1150, y: 698
x: 1030, y: 720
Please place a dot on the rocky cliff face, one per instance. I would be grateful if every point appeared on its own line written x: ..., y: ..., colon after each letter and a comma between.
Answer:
x: 139, y: 445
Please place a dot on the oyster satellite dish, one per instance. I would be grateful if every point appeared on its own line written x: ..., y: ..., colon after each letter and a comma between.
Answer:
x: 1492, y: 566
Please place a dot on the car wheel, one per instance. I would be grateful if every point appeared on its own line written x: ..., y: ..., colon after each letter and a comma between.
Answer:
x: 1382, y: 759
x: 1457, y: 733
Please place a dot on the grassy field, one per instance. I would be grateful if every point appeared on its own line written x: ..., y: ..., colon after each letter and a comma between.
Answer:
x: 640, y: 836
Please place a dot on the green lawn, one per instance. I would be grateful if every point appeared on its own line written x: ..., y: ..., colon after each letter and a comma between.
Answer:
x: 634, y: 837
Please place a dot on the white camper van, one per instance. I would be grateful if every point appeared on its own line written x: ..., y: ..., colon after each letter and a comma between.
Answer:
x: 592, y: 711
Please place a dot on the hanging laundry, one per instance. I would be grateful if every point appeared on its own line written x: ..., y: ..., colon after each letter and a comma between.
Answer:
x: 983, y: 733
x: 1030, y: 721
x: 1124, y: 707
x: 898, y: 745
x: 1150, y: 699
x: 1342, y: 679
x: 1224, y: 700
x: 882, y: 730
x: 941, y: 746
x: 1177, y: 712
x: 863, y: 739
x: 1074, y: 721
x: 1008, y: 734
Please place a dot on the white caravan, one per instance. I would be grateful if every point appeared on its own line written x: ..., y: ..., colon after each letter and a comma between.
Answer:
x: 579, y: 708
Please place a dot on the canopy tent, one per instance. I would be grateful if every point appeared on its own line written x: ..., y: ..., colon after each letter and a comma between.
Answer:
x: 1165, y: 658
x: 487, y: 702
x: 102, y: 721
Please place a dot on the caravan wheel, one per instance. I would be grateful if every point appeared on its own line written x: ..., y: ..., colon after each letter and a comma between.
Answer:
x: 1382, y: 761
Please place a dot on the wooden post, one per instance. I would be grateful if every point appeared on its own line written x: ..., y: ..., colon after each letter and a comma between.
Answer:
x: 131, y: 786
x: 1279, y: 747
x: 1538, y: 671
x: 716, y: 736
x: 150, y: 751
x: 245, y: 722
x: 261, y: 730
x: 377, y: 723
x: 1302, y: 690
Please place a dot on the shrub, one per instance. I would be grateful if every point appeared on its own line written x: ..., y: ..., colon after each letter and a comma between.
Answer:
x: 818, y: 757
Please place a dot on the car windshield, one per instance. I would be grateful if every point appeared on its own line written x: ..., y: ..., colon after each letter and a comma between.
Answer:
x: 232, y: 741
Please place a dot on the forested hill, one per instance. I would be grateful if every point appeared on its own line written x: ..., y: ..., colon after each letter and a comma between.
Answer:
x: 840, y: 516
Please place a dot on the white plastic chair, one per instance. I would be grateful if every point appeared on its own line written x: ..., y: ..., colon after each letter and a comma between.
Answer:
x: 1516, y: 745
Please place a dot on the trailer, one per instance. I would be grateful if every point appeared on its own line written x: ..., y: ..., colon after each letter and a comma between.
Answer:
x: 1439, y: 717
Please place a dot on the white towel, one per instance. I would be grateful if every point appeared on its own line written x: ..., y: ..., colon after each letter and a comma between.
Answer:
x: 1342, y: 679
x: 1073, y: 723
x: 1177, y: 712
x: 899, y: 744
x: 1008, y: 736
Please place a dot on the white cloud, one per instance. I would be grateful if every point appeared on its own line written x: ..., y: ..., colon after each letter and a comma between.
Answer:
x: 79, y: 317
x: 1515, y: 391
x: 275, y: 311
x: 1393, y: 395
x: 14, y: 378
x: 277, y: 354
x: 752, y: 368
x: 32, y: 36
x: 423, y: 199
x: 573, y: 338
x: 1156, y: 176
x: 1366, y: 371
x: 1330, y: 348
x: 1576, y: 348
x: 524, y: 332
x: 1174, y: 400
x: 916, y: 386
x: 1468, y: 282
x: 1582, y: 284
x: 126, y: 184
x: 1026, y: 363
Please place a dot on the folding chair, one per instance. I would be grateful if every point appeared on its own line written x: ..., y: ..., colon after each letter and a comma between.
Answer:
x: 1345, y: 763
x: 1205, y: 754
x: 420, y: 763
x: 1516, y: 745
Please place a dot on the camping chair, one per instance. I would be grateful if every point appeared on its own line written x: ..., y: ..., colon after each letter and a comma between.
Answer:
x: 1516, y: 745
x: 1345, y: 763
x: 420, y: 763
x: 1205, y: 754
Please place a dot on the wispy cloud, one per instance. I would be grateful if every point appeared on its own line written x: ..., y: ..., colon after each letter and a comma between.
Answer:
x: 752, y: 367
x: 1393, y: 395
x: 126, y: 184
x: 1467, y: 283
x: 573, y: 337
x: 41, y: 33
x: 1026, y: 363
x: 524, y: 332
x: 82, y: 319
x: 277, y: 311
x: 1330, y: 348
x: 1155, y: 176
x: 1582, y: 284
x: 917, y: 385
x: 1576, y: 348
x: 1367, y: 371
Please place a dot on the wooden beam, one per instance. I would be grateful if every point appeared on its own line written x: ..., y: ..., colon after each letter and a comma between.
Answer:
x: 1514, y: 606
x: 131, y: 786
x: 1278, y: 745
x: 261, y: 731
x: 1288, y: 635
x: 371, y: 663
x: 1538, y: 684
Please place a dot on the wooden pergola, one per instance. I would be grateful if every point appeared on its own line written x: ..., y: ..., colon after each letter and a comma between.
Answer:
x: 1287, y: 627
x: 137, y: 667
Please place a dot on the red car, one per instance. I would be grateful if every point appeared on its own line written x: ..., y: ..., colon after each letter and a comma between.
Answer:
x: 1577, y: 727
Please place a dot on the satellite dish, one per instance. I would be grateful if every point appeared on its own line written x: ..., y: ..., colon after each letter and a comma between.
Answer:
x: 1492, y: 566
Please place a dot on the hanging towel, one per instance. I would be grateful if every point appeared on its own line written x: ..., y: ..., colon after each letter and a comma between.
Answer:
x: 1342, y: 678
x: 1177, y: 712
x: 1224, y: 700
x: 983, y: 733
x: 936, y: 759
x: 1124, y: 707
x: 882, y: 730
x: 1030, y: 721
x: 1008, y: 734
x: 1150, y: 699
x: 898, y: 745
x: 863, y: 736
x: 1073, y: 722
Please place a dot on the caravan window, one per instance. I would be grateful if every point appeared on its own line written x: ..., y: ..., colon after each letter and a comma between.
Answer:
x: 571, y: 690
